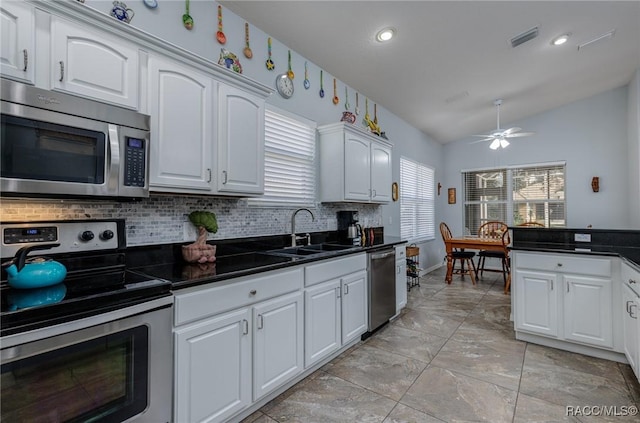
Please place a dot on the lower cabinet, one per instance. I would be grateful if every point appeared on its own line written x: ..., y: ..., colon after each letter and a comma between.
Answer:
x: 568, y: 298
x: 630, y: 320
x: 226, y: 361
x: 401, y: 277
x: 336, y: 309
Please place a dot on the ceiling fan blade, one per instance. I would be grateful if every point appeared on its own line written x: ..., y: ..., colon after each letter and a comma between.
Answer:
x: 511, y: 130
x: 520, y: 134
x: 483, y: 136
x: 484, y: 140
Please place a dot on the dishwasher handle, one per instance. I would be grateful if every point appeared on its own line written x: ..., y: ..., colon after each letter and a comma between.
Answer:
x: 382, y: 254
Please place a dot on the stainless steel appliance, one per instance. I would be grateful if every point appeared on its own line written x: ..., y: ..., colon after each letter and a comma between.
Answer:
x: 349, y: 232
x: 55, y: 144
x: 96, y: 347
x: 382, y: 287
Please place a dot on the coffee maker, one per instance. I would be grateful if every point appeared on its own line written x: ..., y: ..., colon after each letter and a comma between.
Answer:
x: 349, y: 231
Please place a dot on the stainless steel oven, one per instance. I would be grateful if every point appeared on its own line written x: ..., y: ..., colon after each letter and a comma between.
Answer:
x: 96, y: 347
x: 56, y: 144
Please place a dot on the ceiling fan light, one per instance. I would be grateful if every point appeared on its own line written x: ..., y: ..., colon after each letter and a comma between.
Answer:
x: 504, y: 143
x: 495, y: 144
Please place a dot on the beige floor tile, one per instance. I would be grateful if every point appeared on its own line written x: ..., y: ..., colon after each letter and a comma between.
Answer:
x: 435, y: 324
x: 378, y: 370
x: 328, y: 399
x: 534, y: 410
x: 454, y: 397
x: 410, y: 343
x: 500, y: 364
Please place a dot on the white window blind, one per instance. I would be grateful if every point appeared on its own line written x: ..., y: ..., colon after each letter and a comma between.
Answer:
x: 417, y: 211
x: 515, y: 195
x: 289, y: 168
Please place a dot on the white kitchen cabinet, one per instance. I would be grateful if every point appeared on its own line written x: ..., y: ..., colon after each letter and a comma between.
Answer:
x: 323, y: 326
x: 354, y: 306
x: 91, y: 63
x: 240, y: 149
x: 213, y: 368
x: 588, y: 307
x: 181, y: 109
x: 354, y: 166
x: 630, y: 321
x: 401, y: 277
x: 17, y: 45
x: 566, y: 297
x: 278, y: 342
x: 336, y: 309
x: 536, y: 302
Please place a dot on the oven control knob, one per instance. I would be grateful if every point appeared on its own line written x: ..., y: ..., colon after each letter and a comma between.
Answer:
x: 106, y: 235
x: 86, y: 236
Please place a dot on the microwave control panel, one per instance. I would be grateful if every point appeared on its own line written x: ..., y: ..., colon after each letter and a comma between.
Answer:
x: 134, y: 162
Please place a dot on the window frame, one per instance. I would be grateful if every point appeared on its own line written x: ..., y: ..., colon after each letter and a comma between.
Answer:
x: 425, y: 198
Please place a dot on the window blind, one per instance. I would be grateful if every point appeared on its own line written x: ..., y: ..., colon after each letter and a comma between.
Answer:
x: 417, y: 211
x: 515, y: 194
x: 289, y: 168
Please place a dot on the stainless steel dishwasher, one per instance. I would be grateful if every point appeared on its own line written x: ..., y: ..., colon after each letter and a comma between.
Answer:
x: 382, y: 287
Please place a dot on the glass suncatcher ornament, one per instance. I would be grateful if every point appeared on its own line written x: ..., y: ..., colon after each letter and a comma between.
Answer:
x: 220, y: 35
x: 269, y: 63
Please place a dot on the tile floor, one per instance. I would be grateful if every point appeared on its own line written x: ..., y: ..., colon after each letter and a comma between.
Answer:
x: 451, y: 356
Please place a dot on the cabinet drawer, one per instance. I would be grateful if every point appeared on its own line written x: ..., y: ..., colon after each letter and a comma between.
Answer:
x: 401, y: 252
x: 565, y: 263
x: 331, y: 269
x: 202, y: 302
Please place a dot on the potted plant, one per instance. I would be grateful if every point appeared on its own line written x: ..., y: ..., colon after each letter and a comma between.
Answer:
x: 200, y: 251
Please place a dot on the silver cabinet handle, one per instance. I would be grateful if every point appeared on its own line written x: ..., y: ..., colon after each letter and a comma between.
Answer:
x: 209, y: 175
x: 567, y: 286
x: 61, y: 71
x: 633, y: 316
x: 628, y: 303
x: 346, y: 289
x: 260, y: 321
x: 245, y: 327
x: 552, y: 285
x: 253, y: 292
x: 375, y: 193
x: 338, y: 290
x: 26, y: 59
x: 224, y: 177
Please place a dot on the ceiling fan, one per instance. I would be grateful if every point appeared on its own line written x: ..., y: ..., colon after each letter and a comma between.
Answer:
x: 499, y: 137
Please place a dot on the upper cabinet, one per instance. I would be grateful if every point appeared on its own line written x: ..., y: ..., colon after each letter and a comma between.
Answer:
x: 17, y: 46
x: 355, y: 166
x: 180, y: 104
x: 240, y: 141
x: 93, y: 64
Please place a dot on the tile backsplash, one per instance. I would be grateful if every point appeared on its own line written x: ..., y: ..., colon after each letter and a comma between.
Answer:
x: 162, y: 218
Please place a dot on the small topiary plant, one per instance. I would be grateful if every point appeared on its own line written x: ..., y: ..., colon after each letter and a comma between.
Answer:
x: 200, y: 251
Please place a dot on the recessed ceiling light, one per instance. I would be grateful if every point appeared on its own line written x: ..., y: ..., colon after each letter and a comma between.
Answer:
x: 558, y: 41
x: 385, y: 34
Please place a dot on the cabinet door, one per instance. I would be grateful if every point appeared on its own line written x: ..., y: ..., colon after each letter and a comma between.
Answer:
x: 213, y: 368
x: 180, y: 105
x: 380, y: 173
x: 17, y: 46
x: 588, y: 310
x: 536, y: 301
x: 278, y: 342
x: 322, y: 326
x: 357, y: 168
x: 631, y: 327
x: 401, y: 284
x: 93, y: 64
x: 240, y: 142
x: 354, y: 306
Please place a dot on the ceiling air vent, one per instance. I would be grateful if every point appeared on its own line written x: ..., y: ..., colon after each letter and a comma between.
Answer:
x: 524, y: 37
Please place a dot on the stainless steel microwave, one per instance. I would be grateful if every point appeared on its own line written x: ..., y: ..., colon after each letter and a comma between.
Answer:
x: 55, y: 144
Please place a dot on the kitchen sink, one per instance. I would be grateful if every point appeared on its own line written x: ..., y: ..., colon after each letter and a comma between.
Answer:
x: 310, y: 250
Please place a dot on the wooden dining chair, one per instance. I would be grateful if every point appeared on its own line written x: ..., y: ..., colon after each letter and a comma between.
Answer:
x: 493, y: 230
x: 506, y: 241
x: 536, y: 224
x: 463, y: 256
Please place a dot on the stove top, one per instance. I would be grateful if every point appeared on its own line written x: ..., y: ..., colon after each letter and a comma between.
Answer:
x: 96, y: 280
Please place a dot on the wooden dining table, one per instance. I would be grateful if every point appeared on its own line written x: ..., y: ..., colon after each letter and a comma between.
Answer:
x: 470, y: 243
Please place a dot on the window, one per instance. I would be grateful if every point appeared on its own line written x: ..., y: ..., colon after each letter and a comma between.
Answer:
x: 417, y: 196
x: 289, y: 166
x: 515, y: 195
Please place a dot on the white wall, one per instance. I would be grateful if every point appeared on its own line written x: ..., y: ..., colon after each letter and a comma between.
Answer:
x: 590, y: 135
x: 634, y: 150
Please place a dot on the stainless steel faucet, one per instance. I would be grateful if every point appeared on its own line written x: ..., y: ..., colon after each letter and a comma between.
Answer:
x: 294, y: 238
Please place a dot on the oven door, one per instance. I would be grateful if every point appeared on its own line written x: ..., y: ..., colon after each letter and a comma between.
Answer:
x: 46, y: 152
x: 116, y: 371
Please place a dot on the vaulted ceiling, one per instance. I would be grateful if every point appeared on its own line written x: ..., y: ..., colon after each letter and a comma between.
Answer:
x: 450, y: 60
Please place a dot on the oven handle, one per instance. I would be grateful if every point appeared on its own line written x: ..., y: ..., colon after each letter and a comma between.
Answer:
x: 113, y: 158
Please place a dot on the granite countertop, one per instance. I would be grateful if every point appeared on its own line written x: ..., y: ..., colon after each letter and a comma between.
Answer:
x: 235, y: 258
x: 601, y: 242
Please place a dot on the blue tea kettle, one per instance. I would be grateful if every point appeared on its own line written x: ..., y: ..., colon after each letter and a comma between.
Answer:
x: 34, y: 272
